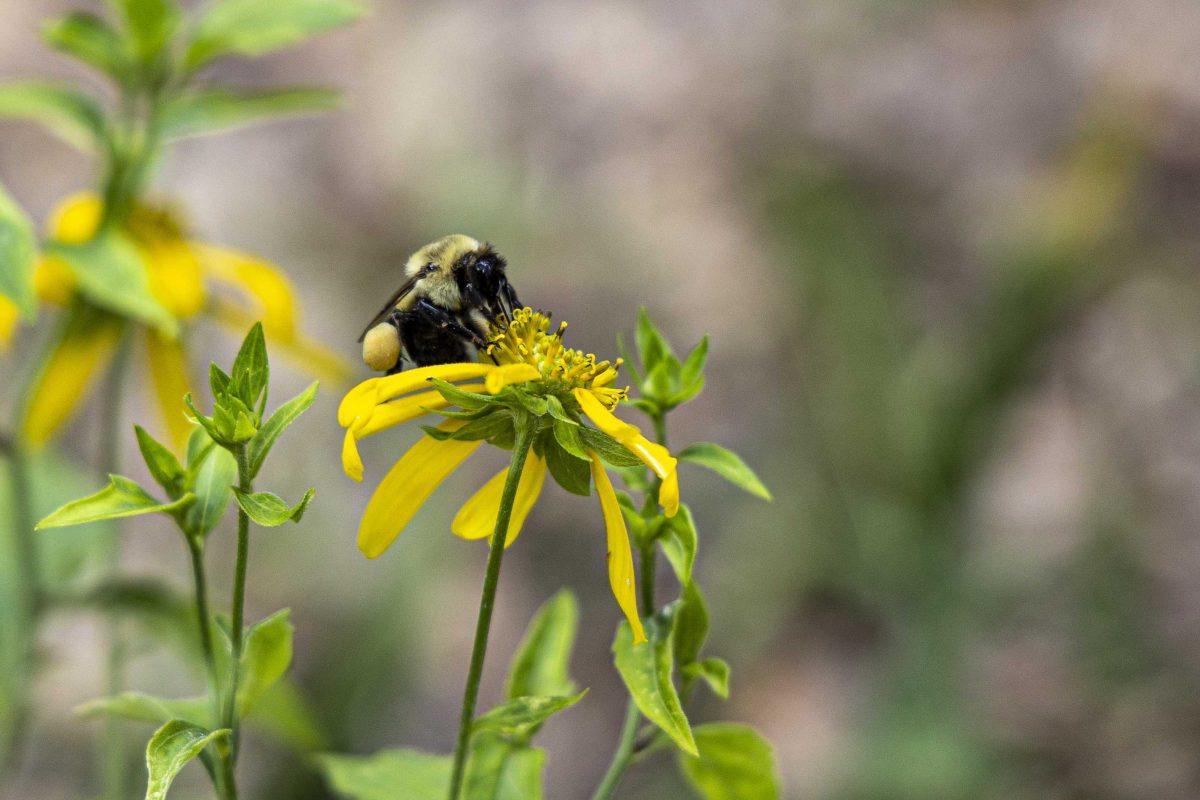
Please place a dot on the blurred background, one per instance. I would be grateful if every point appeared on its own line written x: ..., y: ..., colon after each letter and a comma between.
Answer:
x: 947, y: 255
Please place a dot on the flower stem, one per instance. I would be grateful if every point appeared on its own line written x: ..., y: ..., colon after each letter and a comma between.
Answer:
x: 230, y: 717
x: 627, y: 743
x: 525, y: 430
x: 29, y: 597
x: 203, y: 618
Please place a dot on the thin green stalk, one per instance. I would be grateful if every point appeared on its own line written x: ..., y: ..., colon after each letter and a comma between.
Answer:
x: 114, y: 755
x: 230, y: 718
x: 627, y: 742
x: 487, y: 601
x: 220, y: 773
x: 29, y: 597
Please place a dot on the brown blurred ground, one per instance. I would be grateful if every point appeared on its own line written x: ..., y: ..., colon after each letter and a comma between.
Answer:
x: 947, y: 253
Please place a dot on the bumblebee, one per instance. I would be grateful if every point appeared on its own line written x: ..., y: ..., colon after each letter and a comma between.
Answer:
x: 453, y: 290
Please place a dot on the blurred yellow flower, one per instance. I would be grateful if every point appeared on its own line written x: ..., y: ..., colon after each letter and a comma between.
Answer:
x: 187, y: 278
x: 524, y: 353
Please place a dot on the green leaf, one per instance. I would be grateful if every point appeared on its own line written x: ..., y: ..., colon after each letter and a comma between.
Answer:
x: 18, y: 253
x: 519, y: 716
x: 251, y: 371
x: 568, y: 435
x: 268, y: 509
x: 472, y: 401
x: 690, y: 631
x: 608, y: 448
x: 112, y: 275
x: 278, y: 422
x: 652, y: 346
x: 542, y: 661
x: 150, y: 24
x: 170, y: 749
x: 219, y: 110
x: 265, y: 658
x: 121, y: 498
x: 647, y: 671
x: 284, y: 713
x: 257, y: 27
x: 693, y: 366
x: 215, y: 472
x: 90, y: 39
x: 494, y: 424
x: 141, y: 707
x: 735, y: 763
x: 571, y: 473
x: 678, y: 542
x: 498, y: 769
x: 713, y: 671
x: 164, y: 467
x: 727, y: 464
x: 69, y: 114
x: 388, y: 775
x: 218, y: 380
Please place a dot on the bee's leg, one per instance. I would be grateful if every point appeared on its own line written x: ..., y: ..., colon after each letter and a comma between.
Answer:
x: 510, y: 296
x: 441, y: 318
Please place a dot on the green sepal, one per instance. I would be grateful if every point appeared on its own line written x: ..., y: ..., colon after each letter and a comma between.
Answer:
x: 569, y: 437
x: 121, y: 498
x: 90, y: 39
x: 162, y: 464
x: 170, y: 749
x: 734, y: 763
x: 569, y: 472
x: 18, y: 254
x: 471, y: 401
x: 69, y: 114
x: 521, y: 715
x: 496, y: 423
x: 276, y: 424
x: 647, y: 670
x: 608, y: 448
x: 218, y: 380
x: 220, y: 110
x: 268, y: 509
x: 713, y: 671
x: 555, y: 408
x: 727, y: 464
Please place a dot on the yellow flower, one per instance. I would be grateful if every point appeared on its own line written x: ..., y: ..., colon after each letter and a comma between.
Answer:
x: 522, y: 353
x: 188, y: 279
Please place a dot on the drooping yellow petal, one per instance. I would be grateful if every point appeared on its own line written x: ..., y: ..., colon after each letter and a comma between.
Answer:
x: 352, y: 462
x: 404, y: 409
x: 266, y: 289
x: 406, y: 487
x: 86, y: 346
x: 358, y: 402
x: 53, y: 281
x: 8, y: 321
x: 174, y: 277
x: 169, y: 374
x: 392, y: 386
x: 477, y: 518
x: 75, y: 219
x: 652, y: 454
x: 620, y: 554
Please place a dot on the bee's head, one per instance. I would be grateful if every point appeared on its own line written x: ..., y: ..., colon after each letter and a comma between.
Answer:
x: 481, y: 271
x: 436, y: 266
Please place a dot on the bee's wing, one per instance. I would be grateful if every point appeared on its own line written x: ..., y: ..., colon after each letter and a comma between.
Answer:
x: 404, y: 289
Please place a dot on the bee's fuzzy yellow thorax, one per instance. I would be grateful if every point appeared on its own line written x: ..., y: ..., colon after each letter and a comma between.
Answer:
x: 439, y: 286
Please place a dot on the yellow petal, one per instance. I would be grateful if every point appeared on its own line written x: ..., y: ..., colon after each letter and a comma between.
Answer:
x: 352, y: 462
x: 85, y: 348
x: 652, y: 454
x: 507, y: 374
x: 173, y: 275
x: 410, y: 380
x: 477, y: 518
x: 169, y: 373
x: 620, y: 555
x: 75, y: 220
x: 8, y: 321
x: 265, y: 288
x: 53, y: 281
x: 404, y: 409
x: 358, y: 402
x: 405, y: 489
